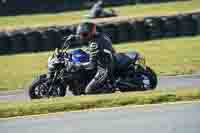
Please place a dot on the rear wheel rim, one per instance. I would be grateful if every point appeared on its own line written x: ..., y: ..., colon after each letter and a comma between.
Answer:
x: 146, y: 83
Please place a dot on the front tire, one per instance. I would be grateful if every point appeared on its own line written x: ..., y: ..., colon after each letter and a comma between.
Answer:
x: 38, y: 89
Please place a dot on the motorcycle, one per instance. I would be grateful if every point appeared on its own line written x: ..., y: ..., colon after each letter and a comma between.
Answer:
x: 131, y: 74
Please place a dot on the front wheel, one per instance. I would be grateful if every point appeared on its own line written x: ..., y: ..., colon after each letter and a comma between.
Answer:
x: 39, y: 89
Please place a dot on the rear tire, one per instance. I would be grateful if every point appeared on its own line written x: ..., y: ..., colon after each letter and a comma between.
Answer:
x: 151, y: 77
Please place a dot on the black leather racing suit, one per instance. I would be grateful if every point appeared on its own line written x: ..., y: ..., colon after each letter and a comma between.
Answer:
x: 102, y: 58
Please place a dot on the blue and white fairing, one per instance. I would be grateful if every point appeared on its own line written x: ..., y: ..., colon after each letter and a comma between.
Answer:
x: 79, y: 56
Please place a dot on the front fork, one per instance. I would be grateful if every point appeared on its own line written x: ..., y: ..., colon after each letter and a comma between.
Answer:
x: 51, y: 82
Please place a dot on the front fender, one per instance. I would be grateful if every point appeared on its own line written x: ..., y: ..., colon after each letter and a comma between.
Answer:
x: 42, y: 76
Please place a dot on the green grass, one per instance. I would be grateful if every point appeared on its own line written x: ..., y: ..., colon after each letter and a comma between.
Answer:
x: 45, y: 106
x: 166, y: 57
x: 64, y: 18
x: 169, y: 56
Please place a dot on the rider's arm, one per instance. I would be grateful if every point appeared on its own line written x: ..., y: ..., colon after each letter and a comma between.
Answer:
x: 71, y: 40
x: 93, y: 52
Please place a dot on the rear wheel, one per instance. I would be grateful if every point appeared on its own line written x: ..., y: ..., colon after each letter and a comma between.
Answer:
x: 146, y: 78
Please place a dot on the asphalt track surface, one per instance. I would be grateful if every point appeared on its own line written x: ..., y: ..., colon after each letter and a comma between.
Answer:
x: 166, y: 118
x: 164, y: 82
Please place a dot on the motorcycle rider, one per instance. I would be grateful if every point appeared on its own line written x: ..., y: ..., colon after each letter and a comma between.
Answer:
x: 101, y: 54
x: 98, y: 11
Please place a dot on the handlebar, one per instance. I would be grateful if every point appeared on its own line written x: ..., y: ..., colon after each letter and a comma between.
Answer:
x: 66, y: 43
x: 58, y: 52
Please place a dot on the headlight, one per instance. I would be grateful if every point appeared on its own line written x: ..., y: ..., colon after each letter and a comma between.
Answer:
x: 51, y: 62
x: 54, y: 61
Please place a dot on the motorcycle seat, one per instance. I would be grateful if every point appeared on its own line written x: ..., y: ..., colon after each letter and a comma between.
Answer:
x: 122, y: 61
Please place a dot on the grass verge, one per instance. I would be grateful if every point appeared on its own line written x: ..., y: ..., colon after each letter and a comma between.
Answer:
x: 166, y: 57
x: 45, y: 106
x: 65, y: 18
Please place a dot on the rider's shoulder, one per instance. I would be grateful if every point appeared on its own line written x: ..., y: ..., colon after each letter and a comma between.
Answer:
x: 100, y: 35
